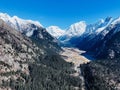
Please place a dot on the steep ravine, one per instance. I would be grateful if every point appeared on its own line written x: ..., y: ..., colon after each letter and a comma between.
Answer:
x: 75, y: 56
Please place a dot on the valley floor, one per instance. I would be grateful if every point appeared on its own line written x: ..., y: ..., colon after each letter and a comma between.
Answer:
x: 75, y: 56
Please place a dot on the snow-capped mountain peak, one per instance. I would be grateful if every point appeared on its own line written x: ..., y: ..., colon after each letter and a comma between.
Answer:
x: 105, y: 24
x: 55, y: 31
x: 24, y: 26
x: 76, y: 29
x: 99, y: 26
x: 15, y: 18
x: 4, y: 15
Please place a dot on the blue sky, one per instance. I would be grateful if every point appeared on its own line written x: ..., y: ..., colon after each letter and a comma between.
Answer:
x: 61, y: 12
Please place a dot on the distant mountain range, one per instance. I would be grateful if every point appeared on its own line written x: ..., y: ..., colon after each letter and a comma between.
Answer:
x: 82, y: 29
x: 92, y: 37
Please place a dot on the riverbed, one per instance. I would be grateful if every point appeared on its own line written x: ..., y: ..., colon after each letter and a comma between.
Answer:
x: 74, y: 55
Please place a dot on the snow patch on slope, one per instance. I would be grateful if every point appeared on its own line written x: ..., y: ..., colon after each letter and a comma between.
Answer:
x: 55, y: 31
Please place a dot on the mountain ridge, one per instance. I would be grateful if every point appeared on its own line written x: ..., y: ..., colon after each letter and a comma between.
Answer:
x: 24, y: 26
